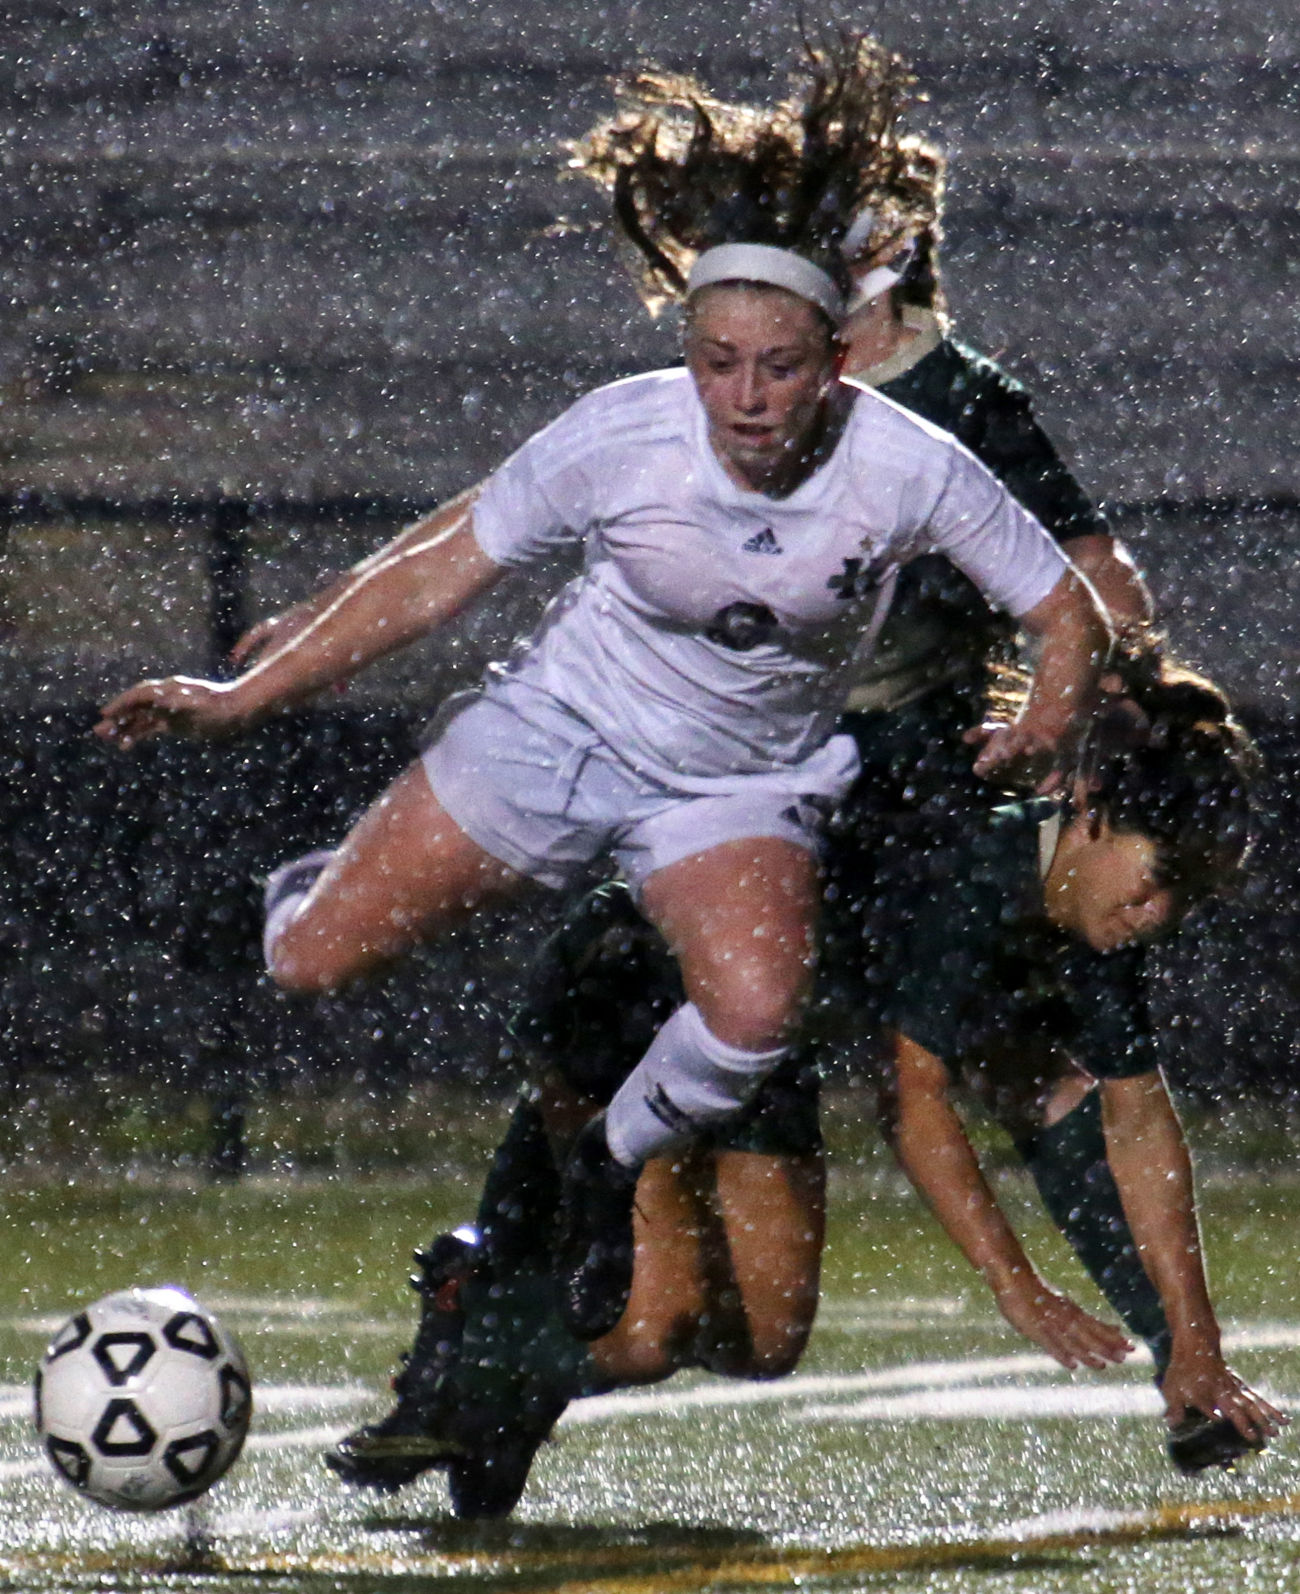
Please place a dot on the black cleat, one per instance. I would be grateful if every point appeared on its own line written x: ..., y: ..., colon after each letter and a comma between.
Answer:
x: 381, y: 1457
x: 1199, y: 1442
x: 487, y: 1487
x: 594, y: 1250
x: 487, y: 1481
x: 413, y: 1437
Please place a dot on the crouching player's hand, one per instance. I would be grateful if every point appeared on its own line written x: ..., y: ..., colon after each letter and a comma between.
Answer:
x: 1057, y: 1324
x: 1199, y: 1384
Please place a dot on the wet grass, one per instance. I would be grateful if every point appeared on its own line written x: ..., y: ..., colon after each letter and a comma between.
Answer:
x: 791, y: 1491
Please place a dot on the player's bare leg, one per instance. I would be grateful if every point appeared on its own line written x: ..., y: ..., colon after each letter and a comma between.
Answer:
x: 405, y: 872
x: 740, y: 919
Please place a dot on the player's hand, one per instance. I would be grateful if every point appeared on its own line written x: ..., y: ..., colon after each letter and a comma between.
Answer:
x: 177, y: 706
x: 1199, y: 1378
x: 1023, y: 752
x: 1059, y: 1326
x: 270, y: 635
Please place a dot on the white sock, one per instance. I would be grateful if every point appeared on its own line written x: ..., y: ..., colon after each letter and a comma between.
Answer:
x: 287, y: 888
x: 688, y: 1078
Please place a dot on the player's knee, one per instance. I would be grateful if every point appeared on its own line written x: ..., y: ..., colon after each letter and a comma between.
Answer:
x: 753, y: 1010
x: 770, y: 1351
x: 647, y: 1345
x: 779, y: 1351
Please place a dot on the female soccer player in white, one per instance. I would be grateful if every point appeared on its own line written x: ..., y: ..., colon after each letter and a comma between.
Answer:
x: 674, y: 709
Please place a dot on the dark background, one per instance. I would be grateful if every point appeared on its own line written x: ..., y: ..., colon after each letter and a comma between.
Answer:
x: 276, y: 277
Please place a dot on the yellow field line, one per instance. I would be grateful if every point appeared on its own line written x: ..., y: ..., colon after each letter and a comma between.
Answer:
x: 768, y: 1568
x: 756, y: 1569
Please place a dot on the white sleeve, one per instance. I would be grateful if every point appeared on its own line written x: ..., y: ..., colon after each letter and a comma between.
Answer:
x: 539, y: 500
x: 977, y: 524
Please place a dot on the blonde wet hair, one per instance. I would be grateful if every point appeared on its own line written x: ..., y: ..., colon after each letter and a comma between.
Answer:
x: 688, y: 171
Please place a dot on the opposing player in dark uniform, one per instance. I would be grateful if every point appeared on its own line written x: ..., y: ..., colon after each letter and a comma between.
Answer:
x: 996, y: 949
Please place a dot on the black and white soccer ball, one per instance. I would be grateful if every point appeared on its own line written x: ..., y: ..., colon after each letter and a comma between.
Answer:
x: 143, y: 1399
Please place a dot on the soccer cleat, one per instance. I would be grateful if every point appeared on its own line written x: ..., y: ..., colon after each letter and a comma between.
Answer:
x: 594, y: 1249
x: 413, y: 1437
x: 1199, y: 1442
x: 487, y: 1480
x: 489, y: 1485
x: 380, y: 1456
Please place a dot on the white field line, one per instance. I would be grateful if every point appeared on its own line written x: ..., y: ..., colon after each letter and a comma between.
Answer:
x: 1019, y: 1403
x: 667, y: 1400
x: 312, y: 1314
x: 938, y: 1390
x: 320, y: 1437
x: 16, y: 1399
x: 280, y: 1320
x: 905, y: 1312
x: 269, y: 1399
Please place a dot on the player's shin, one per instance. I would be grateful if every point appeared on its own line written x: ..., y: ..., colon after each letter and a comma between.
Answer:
x: 687, y: 1080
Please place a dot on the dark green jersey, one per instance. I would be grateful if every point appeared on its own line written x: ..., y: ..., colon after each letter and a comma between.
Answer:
x: 939, y: 628
x: 992, y: 414
x: 950, y: 936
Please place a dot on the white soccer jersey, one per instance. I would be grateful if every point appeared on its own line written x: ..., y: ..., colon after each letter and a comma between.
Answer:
x: 710, y: 631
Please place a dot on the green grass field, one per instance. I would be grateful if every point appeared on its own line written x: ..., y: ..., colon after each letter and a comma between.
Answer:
x: 920, y: 1447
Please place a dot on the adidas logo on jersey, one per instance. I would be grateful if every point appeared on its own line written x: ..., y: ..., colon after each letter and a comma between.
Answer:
x: 762, y: 542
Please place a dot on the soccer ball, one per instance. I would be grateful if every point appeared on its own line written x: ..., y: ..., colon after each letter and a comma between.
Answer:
x: 143, y: 1400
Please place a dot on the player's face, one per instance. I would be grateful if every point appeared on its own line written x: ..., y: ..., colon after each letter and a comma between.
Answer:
x: 1112, y: 895
x: 762, y: 360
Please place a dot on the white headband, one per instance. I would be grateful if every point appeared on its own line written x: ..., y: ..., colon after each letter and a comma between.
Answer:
x: 860, y: 229
x: 880, y: 279
x: 780, y: 268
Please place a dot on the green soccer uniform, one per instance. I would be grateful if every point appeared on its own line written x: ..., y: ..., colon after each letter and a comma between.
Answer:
x: 951, y: 934
x: 925, y: 681
x: 939, y: 630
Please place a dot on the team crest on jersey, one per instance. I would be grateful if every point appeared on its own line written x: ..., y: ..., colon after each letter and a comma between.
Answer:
x: 762, y: 542
x: 859, y: 577
x: 742, y: 626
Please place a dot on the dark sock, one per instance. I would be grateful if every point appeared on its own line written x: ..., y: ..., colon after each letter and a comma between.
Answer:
x: 516, y: 1211
x: 1068, y: 1162
x: 517, y: 1358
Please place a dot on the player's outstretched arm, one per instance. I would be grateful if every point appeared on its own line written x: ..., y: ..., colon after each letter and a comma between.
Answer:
x: 1109, y: 568
x: 420, y: 580
x: 271, y: 634
x: 1074, y: 640
x: 930, y: 1142
x: 1148, y: 1157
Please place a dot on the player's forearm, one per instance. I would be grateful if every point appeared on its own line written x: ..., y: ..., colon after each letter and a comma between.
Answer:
x: 446, y: 517
x: 1153, y: 1172
x: 1074, y: 640
x: 411, y: 587
x: 1115, y: 579
x: 955, y: 1190
x: 930, y: 1142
